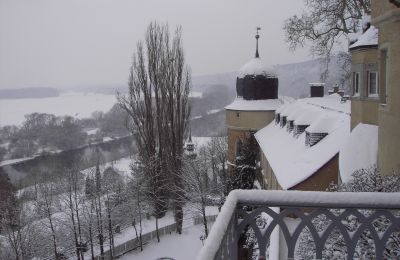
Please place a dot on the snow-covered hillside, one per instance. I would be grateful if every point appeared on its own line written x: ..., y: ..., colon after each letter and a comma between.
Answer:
x: 293, y: 77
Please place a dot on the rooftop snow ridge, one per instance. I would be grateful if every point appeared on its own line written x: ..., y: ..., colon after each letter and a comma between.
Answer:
x: 255, y: 105
x: 255, y: 67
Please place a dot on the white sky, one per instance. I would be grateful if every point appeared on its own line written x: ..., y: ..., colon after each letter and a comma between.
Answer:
x: 62, y: 43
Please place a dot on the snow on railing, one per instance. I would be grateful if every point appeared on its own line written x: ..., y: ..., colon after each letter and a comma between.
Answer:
x: 306, y: 207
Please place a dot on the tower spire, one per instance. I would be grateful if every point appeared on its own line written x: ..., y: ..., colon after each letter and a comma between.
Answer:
x: 257, y: 37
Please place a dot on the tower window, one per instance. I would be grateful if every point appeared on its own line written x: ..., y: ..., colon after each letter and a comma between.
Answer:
x: 238, y: 147
x: 356, y: 83
x: 372, y: 83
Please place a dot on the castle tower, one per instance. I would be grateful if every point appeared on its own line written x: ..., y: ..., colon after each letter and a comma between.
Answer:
x: 255, y: 104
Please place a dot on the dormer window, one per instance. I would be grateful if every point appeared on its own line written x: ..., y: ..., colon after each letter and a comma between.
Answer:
x: 283, y: 121
x: 290, y: 125
x: 356, y: 83
x: 277, y: 118
x: 299, y: 129
x: 372, y: 84
x: 313, y: 138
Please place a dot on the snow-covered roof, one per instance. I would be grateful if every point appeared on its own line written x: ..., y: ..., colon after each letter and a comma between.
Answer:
x: 331, y: 102
x: 368, y: 38
x: 255, y: 67
x: 290, y: 159
x: 255, y: 105
x: 324, y: 124
x: 307, y: 117
x: 360, y: 150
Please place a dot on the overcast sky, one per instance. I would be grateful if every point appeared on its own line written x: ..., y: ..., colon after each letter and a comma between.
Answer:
x: 66, y: 43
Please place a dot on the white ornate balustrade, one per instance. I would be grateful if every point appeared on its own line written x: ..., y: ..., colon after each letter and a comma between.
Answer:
x: 243, y: 206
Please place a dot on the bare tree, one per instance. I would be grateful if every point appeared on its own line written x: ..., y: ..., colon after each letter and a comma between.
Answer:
x: 158, y: 107
x: 217, y: 150
x: 73, y: 198
x: 196, y: 184
x: 324, y: 23
x: 46, y: 204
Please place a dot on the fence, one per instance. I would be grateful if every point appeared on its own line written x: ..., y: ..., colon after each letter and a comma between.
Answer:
x: 199, y: 220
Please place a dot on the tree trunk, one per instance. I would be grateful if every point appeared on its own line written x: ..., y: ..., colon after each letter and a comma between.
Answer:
x: 91, y: 230
x: 158, y: 236
x: 203, y: 211
x: 99, y: 225
x: 110, y: 231
x: 52, y: 234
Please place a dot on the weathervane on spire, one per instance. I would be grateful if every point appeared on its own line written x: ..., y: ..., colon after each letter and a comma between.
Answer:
x: 257, y: 37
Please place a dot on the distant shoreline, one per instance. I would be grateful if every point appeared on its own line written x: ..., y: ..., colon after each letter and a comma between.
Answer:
x: 21, y: 93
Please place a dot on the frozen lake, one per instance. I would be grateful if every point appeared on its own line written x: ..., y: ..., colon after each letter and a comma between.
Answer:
x: 76, y: 104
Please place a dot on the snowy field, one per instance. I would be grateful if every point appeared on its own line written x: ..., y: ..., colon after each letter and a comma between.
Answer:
x: 77, y: 104
x: 179, y: 247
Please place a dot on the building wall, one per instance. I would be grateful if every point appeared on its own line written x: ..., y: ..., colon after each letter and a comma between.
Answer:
x: 233, y: 136
x: 386, y: 16
x: 248, y: 120
x: 242, y: 123
x: 364, y: 108
x: 364, y: 112
x: 270, y: 181
x: 321, y: 179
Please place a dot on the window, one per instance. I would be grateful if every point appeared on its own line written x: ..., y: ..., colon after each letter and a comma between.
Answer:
x: 372, y: 83
x: 238, y: 147
x: 356, y: 83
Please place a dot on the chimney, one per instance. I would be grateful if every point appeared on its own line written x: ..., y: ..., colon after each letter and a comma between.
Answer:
x: 317, y: 89
x: 336, y: 89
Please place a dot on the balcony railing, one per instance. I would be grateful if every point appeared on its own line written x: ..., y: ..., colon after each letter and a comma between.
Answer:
x: 352, y: 215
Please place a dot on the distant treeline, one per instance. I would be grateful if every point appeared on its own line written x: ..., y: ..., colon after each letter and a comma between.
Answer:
x: 28, y: 93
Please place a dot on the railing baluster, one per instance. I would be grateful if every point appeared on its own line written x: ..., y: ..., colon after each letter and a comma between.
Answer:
x: 332, y: 210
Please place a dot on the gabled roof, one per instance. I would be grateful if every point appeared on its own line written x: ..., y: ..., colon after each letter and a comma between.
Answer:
x: 290, y: 159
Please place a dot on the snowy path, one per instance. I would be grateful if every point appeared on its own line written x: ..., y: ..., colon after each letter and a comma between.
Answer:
x: 149, y: 225
x: 179, y: 247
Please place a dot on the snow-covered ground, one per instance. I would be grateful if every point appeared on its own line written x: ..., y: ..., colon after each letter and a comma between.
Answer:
x: 12, y: 161
x: 122, y: 166
x: 200, y: 141
x: 77, y: 104
x: 178, y: 247
x: 148, y: 225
